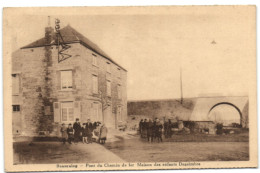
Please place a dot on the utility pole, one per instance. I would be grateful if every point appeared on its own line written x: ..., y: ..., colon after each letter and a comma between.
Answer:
x: 181, y: 85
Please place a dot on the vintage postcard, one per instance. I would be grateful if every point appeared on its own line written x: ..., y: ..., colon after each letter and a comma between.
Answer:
x: 129, y: 88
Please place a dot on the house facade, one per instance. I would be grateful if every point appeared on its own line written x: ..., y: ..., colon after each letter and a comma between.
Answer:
x: 47, y: 93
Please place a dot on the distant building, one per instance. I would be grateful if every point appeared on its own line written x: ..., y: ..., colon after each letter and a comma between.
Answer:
x: 47, y: 93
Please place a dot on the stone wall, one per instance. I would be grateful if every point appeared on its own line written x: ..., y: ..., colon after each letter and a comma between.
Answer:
x: 162, y: 108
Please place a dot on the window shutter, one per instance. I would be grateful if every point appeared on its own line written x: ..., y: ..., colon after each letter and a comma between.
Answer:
x: 56, y: 111
x: 77, y: 110
x: 73, y: 79
x: 58, y: 80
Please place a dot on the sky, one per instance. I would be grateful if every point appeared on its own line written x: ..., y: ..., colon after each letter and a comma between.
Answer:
x: 214, y: 47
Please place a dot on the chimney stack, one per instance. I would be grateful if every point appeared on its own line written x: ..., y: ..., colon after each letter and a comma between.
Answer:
x: 49, y: 21
x: 49, y: 32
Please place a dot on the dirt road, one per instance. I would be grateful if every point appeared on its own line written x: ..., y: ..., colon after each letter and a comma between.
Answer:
x: 138, y: 150
x: 56, y: 152
x: 129, y: 150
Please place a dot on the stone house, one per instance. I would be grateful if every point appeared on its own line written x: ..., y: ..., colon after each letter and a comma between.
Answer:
x: 47, y: 93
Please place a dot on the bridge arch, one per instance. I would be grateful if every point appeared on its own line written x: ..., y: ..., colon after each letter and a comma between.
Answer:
x: 230, y: 104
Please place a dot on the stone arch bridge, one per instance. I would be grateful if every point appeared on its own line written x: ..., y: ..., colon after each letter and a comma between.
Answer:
x: 204, y: 105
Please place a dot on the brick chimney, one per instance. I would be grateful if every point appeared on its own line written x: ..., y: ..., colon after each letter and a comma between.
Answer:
x: 49, y: 33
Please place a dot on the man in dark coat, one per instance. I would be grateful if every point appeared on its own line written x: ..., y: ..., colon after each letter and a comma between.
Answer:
x: 166, y: 126
x: 158, y: 130
x: 144, y: 129
x: 169, y: 132
x: 89, y: 128
x: 154, y: 130
x: 150, y: 130
x: 77, y: 130
x: 141, y: 126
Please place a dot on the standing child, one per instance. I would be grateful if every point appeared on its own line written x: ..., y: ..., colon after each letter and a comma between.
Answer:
x: 84, y: 133
x: 70, y: 133
x: 63, y: 131
x: 103, y: 134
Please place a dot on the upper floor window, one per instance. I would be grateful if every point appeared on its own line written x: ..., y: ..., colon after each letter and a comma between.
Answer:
x: 15, y: 84
x: 94, y: 59
x: 119, y: 94
x: 108, y: 88
x: 16, y: 108
x: 66, y: 80
x: 95, y: 84
x: 118, y: 72
x: 108, y: 67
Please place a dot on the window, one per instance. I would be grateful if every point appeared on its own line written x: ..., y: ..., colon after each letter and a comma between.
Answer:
x: 96, y: 113
x: 118, y: 73
x: 119, y: 91
x: 108, y: 67
x: 66, y: 80
x: 108, y: 88
x: 94, y: 59
x: 95, y: 84
x: 67, y: 112
x: 16, y: 108
x: 119, y: 113
x: 15, y: 84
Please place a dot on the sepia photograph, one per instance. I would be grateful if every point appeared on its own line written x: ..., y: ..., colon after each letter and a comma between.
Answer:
x: 129, y: 88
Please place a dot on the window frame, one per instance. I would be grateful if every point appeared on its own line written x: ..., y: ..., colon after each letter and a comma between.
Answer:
x: 68, y: 109
x: 17, y: 77
x: 61, y: 82
x: 119, y: 91
x: 96, y: 111
x: 94, y: 91
x: 119, y: 116
x: 94, y: 60
x: 108, y: 67
x: 109, y: 92
x: 18, y: 109
x: 119, y: 73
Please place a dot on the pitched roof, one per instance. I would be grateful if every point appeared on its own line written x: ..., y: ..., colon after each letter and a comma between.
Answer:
x: 70, y: 35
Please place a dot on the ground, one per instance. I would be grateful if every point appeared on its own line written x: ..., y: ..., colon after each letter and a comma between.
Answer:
x: 179, y: 151
x: 134, y: 149
x: 56, y: 152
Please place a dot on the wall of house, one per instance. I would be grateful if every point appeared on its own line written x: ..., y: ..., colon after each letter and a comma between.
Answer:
x: 41, y: 95
x: 30, y: 64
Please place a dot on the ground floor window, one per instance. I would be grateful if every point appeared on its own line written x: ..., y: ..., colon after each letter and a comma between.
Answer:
x: 16, y: 108
x: 97, y: 113
x: 119, y: 113
x: 67, y: 112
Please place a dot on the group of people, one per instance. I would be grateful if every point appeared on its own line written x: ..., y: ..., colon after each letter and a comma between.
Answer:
x: 153, y: 129
x: 84, y: 133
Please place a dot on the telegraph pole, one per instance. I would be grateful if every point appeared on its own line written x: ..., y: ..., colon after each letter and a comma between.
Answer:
x: 181, y: 85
